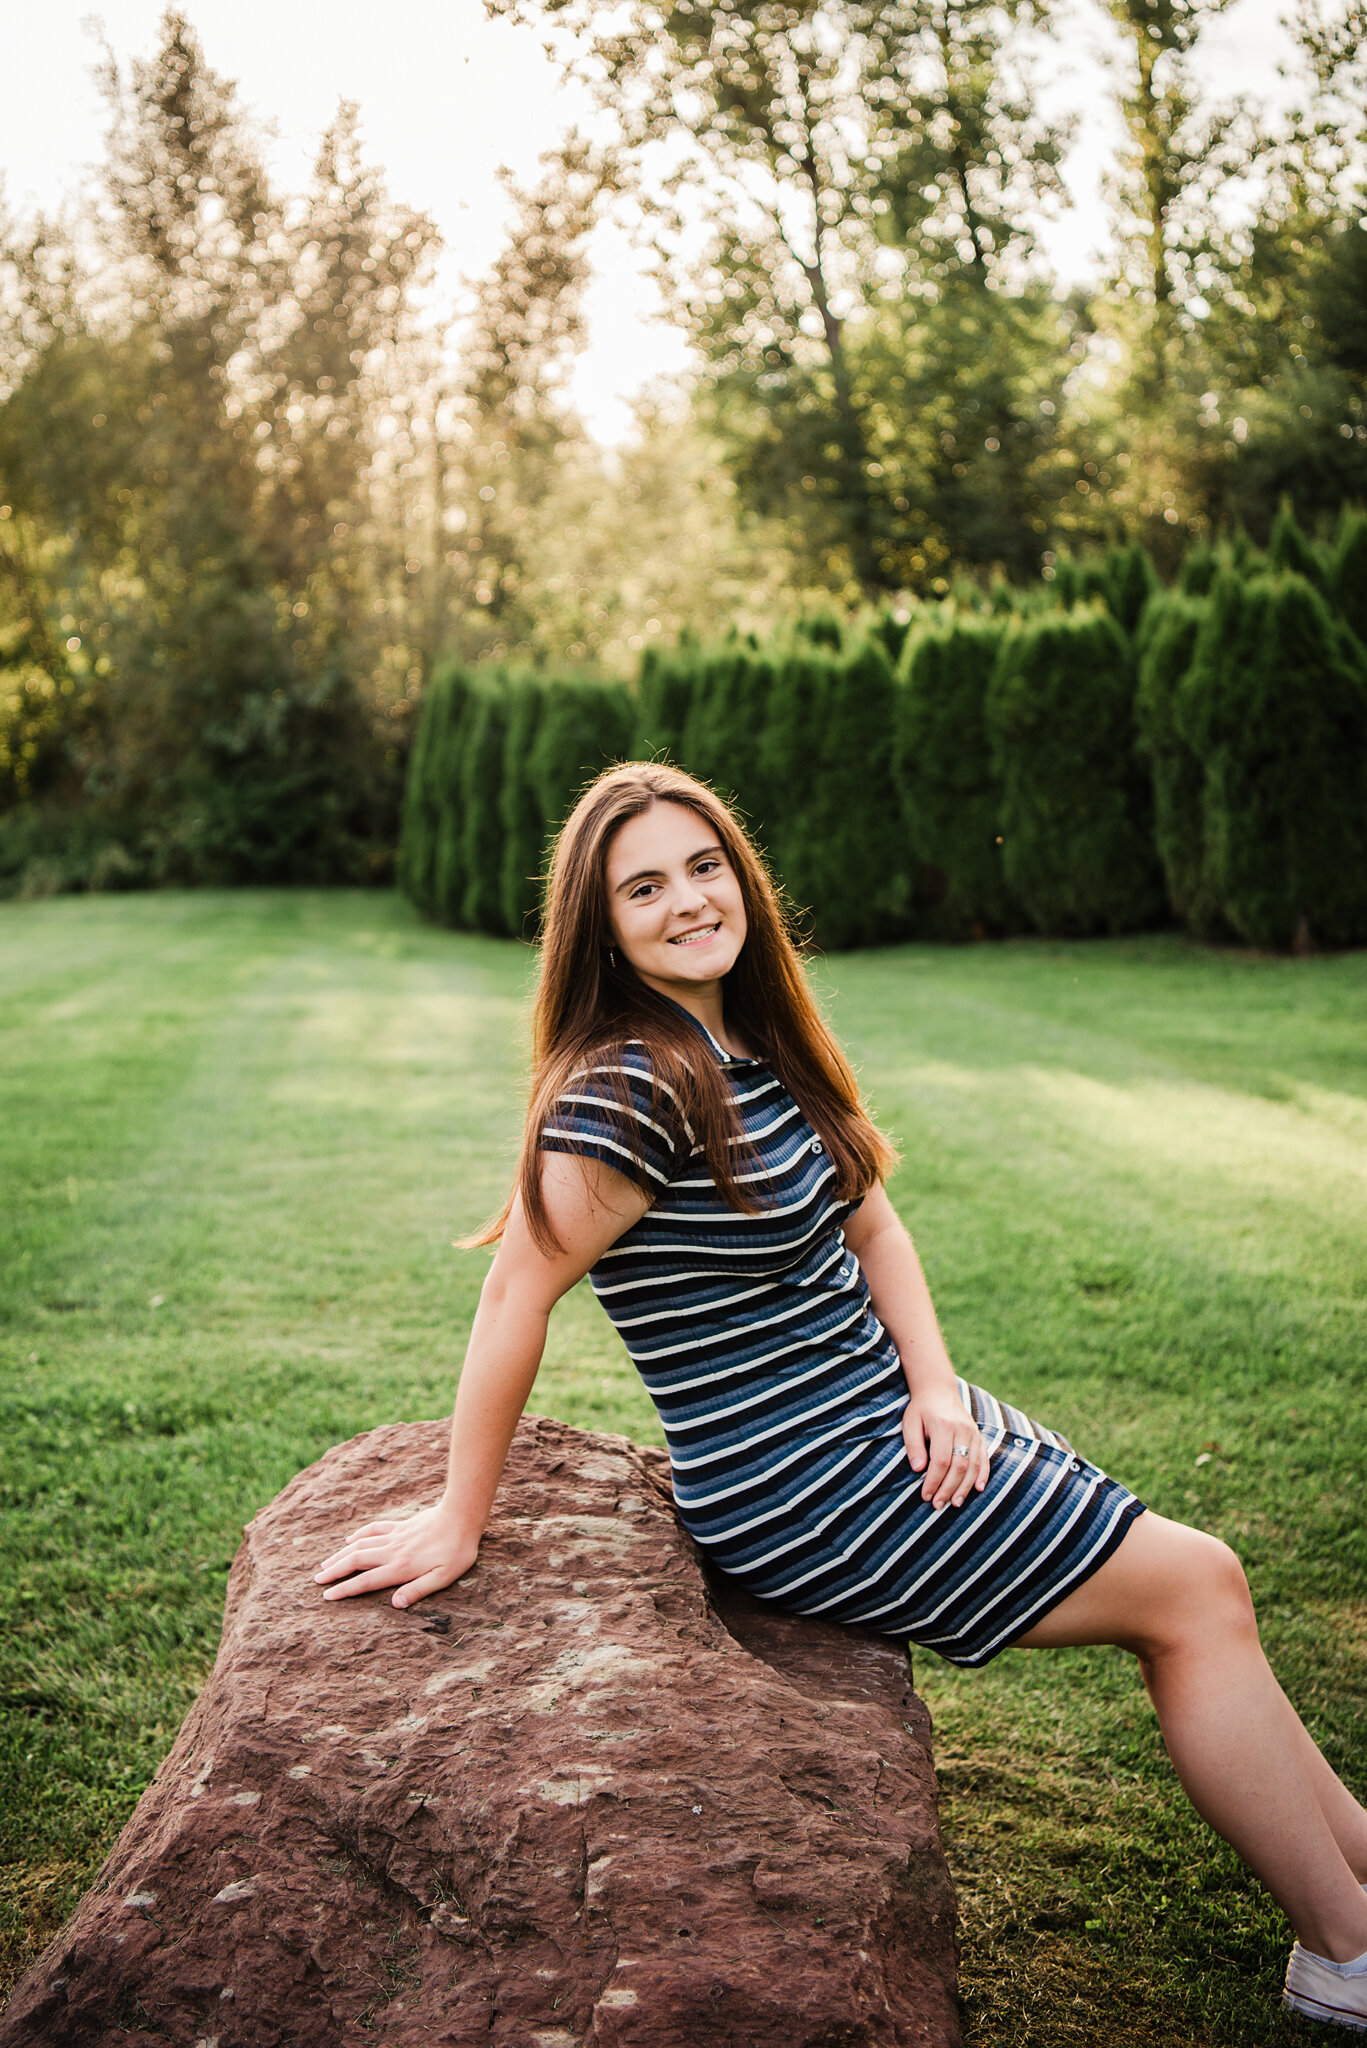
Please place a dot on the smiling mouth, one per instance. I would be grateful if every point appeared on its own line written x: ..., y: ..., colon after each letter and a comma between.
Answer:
x: 695, y: 938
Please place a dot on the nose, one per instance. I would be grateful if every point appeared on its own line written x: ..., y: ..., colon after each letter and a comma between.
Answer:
x: 688, y: 898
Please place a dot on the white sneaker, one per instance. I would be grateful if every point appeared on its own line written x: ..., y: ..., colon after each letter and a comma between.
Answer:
x: 1333, y: 1992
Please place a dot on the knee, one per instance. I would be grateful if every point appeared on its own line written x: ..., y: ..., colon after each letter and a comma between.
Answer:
x: 1226, y: 1586
x: 1208, y: 1603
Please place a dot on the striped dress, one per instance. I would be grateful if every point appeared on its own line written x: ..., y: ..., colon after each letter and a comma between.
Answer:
x: 781, y: 1394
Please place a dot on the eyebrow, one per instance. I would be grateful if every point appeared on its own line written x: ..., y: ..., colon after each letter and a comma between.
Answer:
x: 650, y: 874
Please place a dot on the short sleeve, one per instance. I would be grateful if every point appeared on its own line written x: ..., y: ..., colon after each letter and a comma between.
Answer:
x: 614, y: 1109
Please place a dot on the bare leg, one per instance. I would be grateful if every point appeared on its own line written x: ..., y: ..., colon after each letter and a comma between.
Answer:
x: 1179, y: 1600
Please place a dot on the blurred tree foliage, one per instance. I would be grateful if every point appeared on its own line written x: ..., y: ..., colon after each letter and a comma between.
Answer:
x: 190, y: 541
x: 547, y: 547
x: 898, y: 390
x: 875, y: 343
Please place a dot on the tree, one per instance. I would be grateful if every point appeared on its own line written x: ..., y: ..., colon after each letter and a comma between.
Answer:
x: 510, y: 431
x: 187, y: 439
x: 849, y: 159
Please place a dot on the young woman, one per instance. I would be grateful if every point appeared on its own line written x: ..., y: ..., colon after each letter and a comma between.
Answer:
x: 696, y: 1144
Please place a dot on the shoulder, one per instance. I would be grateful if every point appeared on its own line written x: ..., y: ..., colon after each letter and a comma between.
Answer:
x: 615, y: 1103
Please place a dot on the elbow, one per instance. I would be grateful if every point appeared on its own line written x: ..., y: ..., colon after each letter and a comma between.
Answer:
x: 509, y: 1290
x: 494, y: 1291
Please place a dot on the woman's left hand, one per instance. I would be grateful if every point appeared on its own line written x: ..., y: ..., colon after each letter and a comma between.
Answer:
x: 938, y: 1430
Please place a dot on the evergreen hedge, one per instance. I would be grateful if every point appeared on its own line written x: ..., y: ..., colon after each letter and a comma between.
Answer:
x: 1092, y: 755
x: 864, y: 881
x: 1076, y: 814
x: 791, y: 760
x: 431, y: 869
x: 1166, y: 648
x: 1274, y: 704
x: 951, y: 790
x: 1348, y: 573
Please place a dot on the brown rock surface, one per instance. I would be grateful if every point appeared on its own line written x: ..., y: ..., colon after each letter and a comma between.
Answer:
x: 578, y: 1798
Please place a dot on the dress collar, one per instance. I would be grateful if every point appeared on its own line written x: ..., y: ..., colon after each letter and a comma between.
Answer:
x: 724, y: 1058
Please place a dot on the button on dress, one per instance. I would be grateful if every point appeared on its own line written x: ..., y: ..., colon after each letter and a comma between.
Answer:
x: 781, y: 1394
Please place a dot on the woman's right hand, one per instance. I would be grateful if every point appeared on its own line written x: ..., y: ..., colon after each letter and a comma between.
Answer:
x: 418, y: 1555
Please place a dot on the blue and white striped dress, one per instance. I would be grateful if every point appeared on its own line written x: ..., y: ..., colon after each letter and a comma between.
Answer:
x: 781, y: 1394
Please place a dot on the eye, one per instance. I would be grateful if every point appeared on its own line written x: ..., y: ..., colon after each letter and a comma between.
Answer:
x: 640, y: 892
x: 707, y: 865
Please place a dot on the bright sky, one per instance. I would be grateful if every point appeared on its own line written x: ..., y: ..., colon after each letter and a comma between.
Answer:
x: 446, y: 96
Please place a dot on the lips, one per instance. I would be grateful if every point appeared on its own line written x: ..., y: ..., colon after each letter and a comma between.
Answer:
x: 697, y: 936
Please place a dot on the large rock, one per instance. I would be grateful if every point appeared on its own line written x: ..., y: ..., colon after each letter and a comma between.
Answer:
x: 581, y: 1797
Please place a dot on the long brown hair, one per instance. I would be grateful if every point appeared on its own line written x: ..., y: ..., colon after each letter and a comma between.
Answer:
x: 589, y: 1001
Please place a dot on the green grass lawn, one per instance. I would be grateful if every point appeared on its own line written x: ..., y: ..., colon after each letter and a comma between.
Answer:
x: 238, y: 1133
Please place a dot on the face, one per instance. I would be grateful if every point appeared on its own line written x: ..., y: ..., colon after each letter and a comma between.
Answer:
x: 674, y: 899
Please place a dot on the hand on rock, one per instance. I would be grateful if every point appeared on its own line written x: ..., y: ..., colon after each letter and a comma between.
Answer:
x: 419, y: 1555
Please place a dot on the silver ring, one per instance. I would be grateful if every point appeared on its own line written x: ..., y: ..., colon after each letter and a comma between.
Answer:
x: 961, y: 1450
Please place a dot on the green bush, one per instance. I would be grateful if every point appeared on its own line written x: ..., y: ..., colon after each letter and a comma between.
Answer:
x: 791, y: 760
x: 1348, y: 573
x: 1130, y: 580
x: 1123, y: 579
x: 669, y: 677
x: 431, y: 864
x: 1275, y: 705
x: 1200, y: 567
x: 1290, y: 550
x: 480, y: 781
x: 1076, y: 814
x: 584, y: 727
x: 1166, y: 646
x: 520, y: 812
x: 867, y: 886
x: 723, y: 738
x: 942, y: 762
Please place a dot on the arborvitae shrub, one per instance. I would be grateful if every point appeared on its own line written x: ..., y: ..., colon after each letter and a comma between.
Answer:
x: 1289, y: 549
x: 723, y: 738
x: 524, y: 824
x: 1129, y: 580
x: 481, y: 790
x: 1166, y: 646
x: 1074, y: 582
x: 864, y: 878
x: 1275, y: 703
x: 418, y: 824
x: 942, y: 763
x: 669, y: 677
x: 584, y: 727
x: 1123, y: 579
x: 1076, y: 809
x: 892, y: 629
x: 431, y: 848
x: 1200, y: 567
x: 701, y: 743
x: 1348, y: 572
x: 792, y: 764
x: 823, y: 628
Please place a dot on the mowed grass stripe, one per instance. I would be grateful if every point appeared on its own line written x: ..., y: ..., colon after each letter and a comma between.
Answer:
x: 1137, y: 1172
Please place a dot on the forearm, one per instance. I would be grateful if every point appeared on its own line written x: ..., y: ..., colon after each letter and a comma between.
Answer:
x: 589, y: 1208
x: 901, y: 1300
x: 501, y: 1360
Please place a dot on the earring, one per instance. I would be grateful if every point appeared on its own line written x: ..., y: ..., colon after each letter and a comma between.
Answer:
x: 612, y: 958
